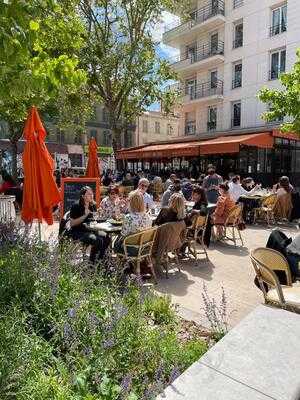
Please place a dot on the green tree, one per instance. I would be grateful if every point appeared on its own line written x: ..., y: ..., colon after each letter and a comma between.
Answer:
x: 285, y: 102
x: 39, y: 45
x: 120, y: 58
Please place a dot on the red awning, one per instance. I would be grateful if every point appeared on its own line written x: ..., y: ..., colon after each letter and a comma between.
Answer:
x: 158, y: 151
x: 231, y: 144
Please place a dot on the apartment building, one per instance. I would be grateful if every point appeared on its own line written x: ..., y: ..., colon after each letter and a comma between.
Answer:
x: 227, y: 51
x: 155, y: 126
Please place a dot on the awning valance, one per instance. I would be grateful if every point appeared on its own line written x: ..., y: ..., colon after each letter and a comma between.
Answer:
x: 231, y: 144
x: 158, y: 151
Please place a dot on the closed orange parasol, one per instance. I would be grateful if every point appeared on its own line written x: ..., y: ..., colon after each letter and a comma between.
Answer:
x: 92, y: 169
x: 40, y: 193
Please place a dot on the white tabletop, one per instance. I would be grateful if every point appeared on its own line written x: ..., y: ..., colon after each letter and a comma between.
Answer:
x: 104, y: 227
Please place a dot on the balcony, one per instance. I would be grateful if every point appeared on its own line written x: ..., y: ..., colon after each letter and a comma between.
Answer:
x: 236, y: 122
x: 204, y: 91
x: 238, y: 42
x: 190, y: 128
x: 277, y: 29
x: 238, y: 3
x: 203, y: 19
x: 206, y: 56
x: 211, y: 126
x: 236, y: 83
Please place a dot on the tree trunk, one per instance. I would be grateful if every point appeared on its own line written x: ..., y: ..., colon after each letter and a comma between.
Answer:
x: 14, y: 154
x: 116, y: 145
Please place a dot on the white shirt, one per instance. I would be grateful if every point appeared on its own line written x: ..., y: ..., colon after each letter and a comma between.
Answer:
x: 294, y: 247
x: 236, y: 190
x: 148, y: 200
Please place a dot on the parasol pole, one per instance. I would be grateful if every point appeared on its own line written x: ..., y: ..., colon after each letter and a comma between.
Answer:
x: 40, y: 232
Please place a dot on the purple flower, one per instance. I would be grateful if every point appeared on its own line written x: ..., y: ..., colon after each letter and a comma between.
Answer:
x: 107, y: 344
x: 126, y: 383
x: 71, y: 313
x: 67, y: 331
x: 174, y: 375
x: 87, y: 351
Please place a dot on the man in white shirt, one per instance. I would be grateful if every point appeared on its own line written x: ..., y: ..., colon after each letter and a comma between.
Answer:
x: 142, y: 188
x: 236, y: 190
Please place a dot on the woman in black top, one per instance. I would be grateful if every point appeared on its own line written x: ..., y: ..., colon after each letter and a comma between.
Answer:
x: 81, y: 213
x: 200, y: 208
x: 175, y: 211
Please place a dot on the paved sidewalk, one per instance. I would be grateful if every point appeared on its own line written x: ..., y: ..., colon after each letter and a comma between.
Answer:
x: 228, y: 267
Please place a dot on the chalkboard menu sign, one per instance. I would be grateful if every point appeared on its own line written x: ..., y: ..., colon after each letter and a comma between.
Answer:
x: 70, y: 191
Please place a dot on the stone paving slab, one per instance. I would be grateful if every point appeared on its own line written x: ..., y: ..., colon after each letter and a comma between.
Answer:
x: 258, y: 359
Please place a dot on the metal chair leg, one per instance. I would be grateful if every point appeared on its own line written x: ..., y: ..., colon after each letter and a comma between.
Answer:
x: 152, y: 269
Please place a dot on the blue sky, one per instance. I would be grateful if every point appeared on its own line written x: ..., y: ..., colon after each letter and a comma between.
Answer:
x: 162, y: 50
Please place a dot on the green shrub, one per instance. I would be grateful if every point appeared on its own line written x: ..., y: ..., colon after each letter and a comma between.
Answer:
x: 68, y: 332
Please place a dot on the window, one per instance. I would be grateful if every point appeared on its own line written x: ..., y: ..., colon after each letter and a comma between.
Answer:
x: 190, y: 127
x: 237, y: 75
x: 105, y: 115
x: 106, y: 138
x: 214, y: 40
x: 169, y: 130
x: 157, y: 127
x: 279, y: 20
x: 238, y: 35
x: 190, y: 88
x: 93, y: 133
x: 191, y: 52
x: 145, y: 126
x: 278, y: 62
x: 213, y: 79
x: 236, y: 114
x: 238, y: 3
x: 212, y: 118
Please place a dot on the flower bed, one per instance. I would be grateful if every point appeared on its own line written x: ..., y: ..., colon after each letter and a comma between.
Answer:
x: 70, y: 332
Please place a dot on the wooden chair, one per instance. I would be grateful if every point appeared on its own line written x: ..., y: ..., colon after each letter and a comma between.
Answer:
x: 232, y: 223
x: 195, y: 234
x: 138, y: 247
x: 266, y: 262
x: 266, y: 210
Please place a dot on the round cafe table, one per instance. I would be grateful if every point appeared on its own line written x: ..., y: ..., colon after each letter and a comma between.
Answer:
x: 7, y: 209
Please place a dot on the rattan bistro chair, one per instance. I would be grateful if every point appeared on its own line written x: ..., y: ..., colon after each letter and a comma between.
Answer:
x: 266, y: 262
x: 232, y: 224
x: 138, y: 247
x: 266, y: 210
x: 195, y: 234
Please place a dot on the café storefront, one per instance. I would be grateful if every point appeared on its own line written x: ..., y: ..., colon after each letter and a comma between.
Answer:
x: 265, y: 156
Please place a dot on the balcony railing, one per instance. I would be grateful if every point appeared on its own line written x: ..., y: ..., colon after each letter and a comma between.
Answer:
x: 201, y: 15
x: 237, y: 43
x: 211, y: 125
x: 236, y: 83
x: 190, y: 128
x: 238, y: 3
x: 235, y: 122
x: 201, y: 53
x: 277, y: 29
x: 206, y: 89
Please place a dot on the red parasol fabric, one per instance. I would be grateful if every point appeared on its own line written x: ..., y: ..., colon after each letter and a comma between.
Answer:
x: 40, y: 193
x: 92, y: 169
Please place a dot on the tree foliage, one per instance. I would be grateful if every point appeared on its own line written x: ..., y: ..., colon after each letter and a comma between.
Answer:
x: 120, y: 57
x: 285, y: 102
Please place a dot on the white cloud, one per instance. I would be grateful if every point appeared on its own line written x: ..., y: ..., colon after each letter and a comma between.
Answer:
x: 167, y: 19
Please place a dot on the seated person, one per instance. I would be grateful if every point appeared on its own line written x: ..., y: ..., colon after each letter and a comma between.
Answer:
x: 248, y: 184
x: 223, y: 207
x: 82, y: 213
x: 110, y: 206
x: 174, y: 188
x: 127, y: 181
x: 143, y: 186
x: 135, y: 221
x: 284, y: 205
x: 236, y: 189
x: 174, y: 212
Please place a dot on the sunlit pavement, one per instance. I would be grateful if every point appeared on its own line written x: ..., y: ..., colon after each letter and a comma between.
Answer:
x: 228, y: 267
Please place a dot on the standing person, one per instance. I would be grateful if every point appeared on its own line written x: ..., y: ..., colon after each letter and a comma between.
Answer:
x: 174, y: 188
x: 211, y: 184
x: 81, y: 213
x: 170, y: 181
x: 143, y: 186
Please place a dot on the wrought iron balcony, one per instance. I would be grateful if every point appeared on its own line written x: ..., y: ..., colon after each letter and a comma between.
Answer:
x: 201, y: 53
x: 236, y: 83
x: 274, y: 74
x: 211, y: 125
x: 238, y: 3
x: 238, y: 42
x: 201, y: 15
x: 205, y: 89
x: 236, y: 122
x: 277, y: 29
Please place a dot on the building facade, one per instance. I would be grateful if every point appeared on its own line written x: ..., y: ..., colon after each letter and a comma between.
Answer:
x: 228, y: 51
x: 155, y: 126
